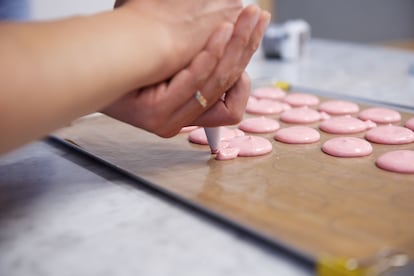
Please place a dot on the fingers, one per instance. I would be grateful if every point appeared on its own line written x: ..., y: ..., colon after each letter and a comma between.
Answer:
x: 153, y: 108
x: 192, y: 78
x: 229, y: 111
x: 256, y: 37
x: 216, y: 71
x: 246, y: 37
x: 238, y: 52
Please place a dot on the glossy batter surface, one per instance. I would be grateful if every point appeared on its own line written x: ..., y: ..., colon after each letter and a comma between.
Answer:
x: 297, y: 135
x: 390, y: 135
x: 399, y: 161
x: 410, y: 123
x: 269, y: 93
x: 380, y: 115
x: 265, y: 106
x: 259, y: 125
x: 347, y: 147
x: 246, y: 146
x: 301, y: 99
x: 339, y: 107
x: 302, y: 115
x: 345, y: 125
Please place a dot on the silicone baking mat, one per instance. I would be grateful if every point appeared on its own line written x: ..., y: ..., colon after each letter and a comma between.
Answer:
x: 297, y: 196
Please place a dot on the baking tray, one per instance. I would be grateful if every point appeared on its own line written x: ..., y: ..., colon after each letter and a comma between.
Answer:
x: 297, y: 197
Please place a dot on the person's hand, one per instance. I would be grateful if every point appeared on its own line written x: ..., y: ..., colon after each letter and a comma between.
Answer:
x: 165, y: 108
x: 183, y: 25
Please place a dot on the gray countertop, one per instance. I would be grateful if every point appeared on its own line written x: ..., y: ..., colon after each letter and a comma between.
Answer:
x: 62, y: 213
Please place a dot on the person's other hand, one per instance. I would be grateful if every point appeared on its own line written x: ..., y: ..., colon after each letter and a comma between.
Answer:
x: 183, y: 25
x: 165, y: 108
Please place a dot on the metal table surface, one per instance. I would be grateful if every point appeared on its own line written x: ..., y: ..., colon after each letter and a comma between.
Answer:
x: 62, y: 213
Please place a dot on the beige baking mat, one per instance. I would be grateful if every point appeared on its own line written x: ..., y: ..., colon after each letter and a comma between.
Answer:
x: 296, y: 196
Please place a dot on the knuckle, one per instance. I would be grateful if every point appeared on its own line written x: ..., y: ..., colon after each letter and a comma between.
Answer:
x: 214, y: 57
x: 242, y: 40
x: 168, y: 133
x: 245, y: 79
x: 227, y: 80
x: 223, y: 81
x: 163, y: 134
x: 254, y: 45
x: 152, y: 124
x: 235, y: 116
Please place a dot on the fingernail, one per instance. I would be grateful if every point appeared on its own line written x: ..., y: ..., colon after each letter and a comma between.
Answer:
x: 221, y: 38
x: 267, y: 16
x: 264, y: 21
x: 225, y: 33
x: 255, y: 16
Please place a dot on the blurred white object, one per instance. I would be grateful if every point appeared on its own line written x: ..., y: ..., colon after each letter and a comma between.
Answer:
x: 53, y: 9
x: 248, y: 2
x: 287, y: 41
x: 411, y: 71
x: 298, y: 36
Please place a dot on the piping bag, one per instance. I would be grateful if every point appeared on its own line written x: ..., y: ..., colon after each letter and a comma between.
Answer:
x: 213, y: 138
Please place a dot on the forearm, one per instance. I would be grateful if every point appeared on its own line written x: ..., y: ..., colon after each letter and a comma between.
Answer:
x: 53, y: 72
x: 100, y: 54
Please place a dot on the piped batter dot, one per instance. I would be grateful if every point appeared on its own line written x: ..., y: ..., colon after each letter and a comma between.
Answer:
x: 380, y: 115
x: 264, y: 106
x: 399, y: 161
x: 297, y: 135
x: 301, y: 99
x: 245, y: 146
x: 259, y: 125
x: 344, y: 125
x: 339, y: 107
x: 347, y: 147
x: 390, y: 135
x: 269, y: 93
x: 410, y: 124
x: 301, y: 115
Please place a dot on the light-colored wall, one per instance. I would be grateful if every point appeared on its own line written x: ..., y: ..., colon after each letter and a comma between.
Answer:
x: 51, y: 9
x: 354, y: 20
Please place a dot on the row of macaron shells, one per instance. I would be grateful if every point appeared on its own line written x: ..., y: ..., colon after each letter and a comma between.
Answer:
x: 294, y: 108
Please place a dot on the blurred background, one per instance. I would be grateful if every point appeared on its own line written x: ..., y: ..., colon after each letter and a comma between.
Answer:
x: 370, y: 21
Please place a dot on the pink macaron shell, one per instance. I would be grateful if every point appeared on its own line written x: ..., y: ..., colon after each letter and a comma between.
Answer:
x: 339, y: 107
x: 390, y: 135
x: 251, y: 145
x: 297, y: 135
x: 343, y: 125
x: 347, y: 147
x: 399, y: 161
x: 300, y: 115
x: 259, y: 125
x: 264, y: 106
x: 370, y: 124
x: 227, y: 153
x: 380, y: 115
x: 269, y: 93
x: 301, y: 99
x: 410, y: 123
